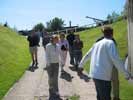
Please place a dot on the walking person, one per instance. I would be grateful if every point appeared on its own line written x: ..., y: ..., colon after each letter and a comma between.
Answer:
x: 77, y: 46
x: 52, y: 63
x: 115, y: 76
x: 64, y: 48
x: 70, y: 37
x: 45, y: 39
x: 103, y: 56
x: 33, y: 44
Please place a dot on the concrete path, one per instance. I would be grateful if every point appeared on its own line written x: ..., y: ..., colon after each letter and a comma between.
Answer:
x: 34, y: 84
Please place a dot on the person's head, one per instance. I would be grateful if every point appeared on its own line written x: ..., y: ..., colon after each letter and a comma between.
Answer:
x: 62, y: 36
x: 72, y: 31
x: 77, y: 37
x: 33, y: 32
x: 55, y: 39
x: 107, y: 31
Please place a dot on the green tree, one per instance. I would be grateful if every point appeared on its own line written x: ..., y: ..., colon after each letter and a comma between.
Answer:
x: 39, y: 27
x: 113, y: 17
x: 55, y: 24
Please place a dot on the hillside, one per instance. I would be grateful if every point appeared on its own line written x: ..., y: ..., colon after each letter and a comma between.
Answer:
x: 120, y: 34
x: 14, y: 58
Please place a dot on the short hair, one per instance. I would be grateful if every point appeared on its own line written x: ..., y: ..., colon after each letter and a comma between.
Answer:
x: 54, y: 37
x: 107, y: 30
x: 62, y: 34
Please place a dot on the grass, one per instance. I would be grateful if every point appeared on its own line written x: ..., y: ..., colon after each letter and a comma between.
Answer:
x: 120, y: 34
x: 14, y: 58
x: 74, y: 98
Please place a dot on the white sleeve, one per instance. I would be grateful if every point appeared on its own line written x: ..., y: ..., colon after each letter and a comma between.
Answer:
x: 47, y: 56
x: 113, y: 54
x: 126, y: 64
x: 85, y: 58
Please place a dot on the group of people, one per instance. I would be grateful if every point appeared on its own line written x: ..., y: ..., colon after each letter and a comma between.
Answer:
x: 104, y: 64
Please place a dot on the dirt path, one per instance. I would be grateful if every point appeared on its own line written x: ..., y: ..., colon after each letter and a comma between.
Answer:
x: 34, y: 84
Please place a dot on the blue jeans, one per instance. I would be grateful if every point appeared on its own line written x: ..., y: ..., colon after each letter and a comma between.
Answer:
x: 103, y: 89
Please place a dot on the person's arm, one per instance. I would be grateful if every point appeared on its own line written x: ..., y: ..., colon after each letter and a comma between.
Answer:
x: 82, y: 45
x: 28, y: 38
x: 85, y: 58
x: 113, y: 54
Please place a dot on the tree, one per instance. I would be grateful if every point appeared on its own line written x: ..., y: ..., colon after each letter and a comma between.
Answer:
x: 55, y: 24
x: 125, y: 11
x: 6, y: 24
x: 112, y: 17
x: 39, y: 27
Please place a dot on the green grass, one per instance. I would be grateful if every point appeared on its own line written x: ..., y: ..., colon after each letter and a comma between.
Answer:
x: 14, y: 58
x: 74, y: 98
x: 120, y: 34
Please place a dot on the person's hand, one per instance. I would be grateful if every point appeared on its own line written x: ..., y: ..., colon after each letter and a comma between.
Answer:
x: 127, y: 78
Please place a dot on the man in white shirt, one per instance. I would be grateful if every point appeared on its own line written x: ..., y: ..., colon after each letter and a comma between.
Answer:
x: 103, y: 56
x: 52, y: 63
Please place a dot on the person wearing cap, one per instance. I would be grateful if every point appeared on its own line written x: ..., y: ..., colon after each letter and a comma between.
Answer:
x: 52, y: 63
x: 103, y: 55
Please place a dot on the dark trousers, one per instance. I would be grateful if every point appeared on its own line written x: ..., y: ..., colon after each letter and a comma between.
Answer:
x: 103, y: 89
x: 71, y: 52
x: 53, y: 71
x: 77, y: 57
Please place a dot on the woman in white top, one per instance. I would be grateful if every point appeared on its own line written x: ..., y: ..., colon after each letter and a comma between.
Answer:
x: 64, y: 48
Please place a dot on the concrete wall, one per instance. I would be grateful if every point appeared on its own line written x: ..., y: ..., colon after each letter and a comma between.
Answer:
x: 130, y: 33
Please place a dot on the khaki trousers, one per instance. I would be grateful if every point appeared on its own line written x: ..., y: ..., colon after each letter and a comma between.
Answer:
x: 115, y: 83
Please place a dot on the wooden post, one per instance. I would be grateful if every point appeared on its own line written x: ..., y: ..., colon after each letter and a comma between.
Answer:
x: 130, y: 34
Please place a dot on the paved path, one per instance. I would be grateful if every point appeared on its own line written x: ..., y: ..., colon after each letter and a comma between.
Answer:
x: 34, y: 84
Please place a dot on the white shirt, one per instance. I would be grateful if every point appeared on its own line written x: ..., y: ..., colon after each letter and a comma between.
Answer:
x: 103, y: 56
x: 52, y: 53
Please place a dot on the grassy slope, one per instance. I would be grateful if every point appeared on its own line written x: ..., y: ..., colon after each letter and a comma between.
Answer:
x: 14, y: 58
x: 120, y: 34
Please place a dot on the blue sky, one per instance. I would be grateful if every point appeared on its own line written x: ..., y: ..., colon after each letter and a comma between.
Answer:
x: 24, y: 14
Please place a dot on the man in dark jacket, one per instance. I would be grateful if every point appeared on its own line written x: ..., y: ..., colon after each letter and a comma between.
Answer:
x: 70, y: 37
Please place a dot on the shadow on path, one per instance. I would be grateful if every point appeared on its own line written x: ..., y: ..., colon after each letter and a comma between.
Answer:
x: 65, y: 75
x: 84, y: 77
x: 73, y: 68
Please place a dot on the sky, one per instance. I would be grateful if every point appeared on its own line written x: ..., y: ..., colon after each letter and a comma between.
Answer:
x: 24, y: 14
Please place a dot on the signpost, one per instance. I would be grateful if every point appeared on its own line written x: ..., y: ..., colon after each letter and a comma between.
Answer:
x: 130, y: 34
